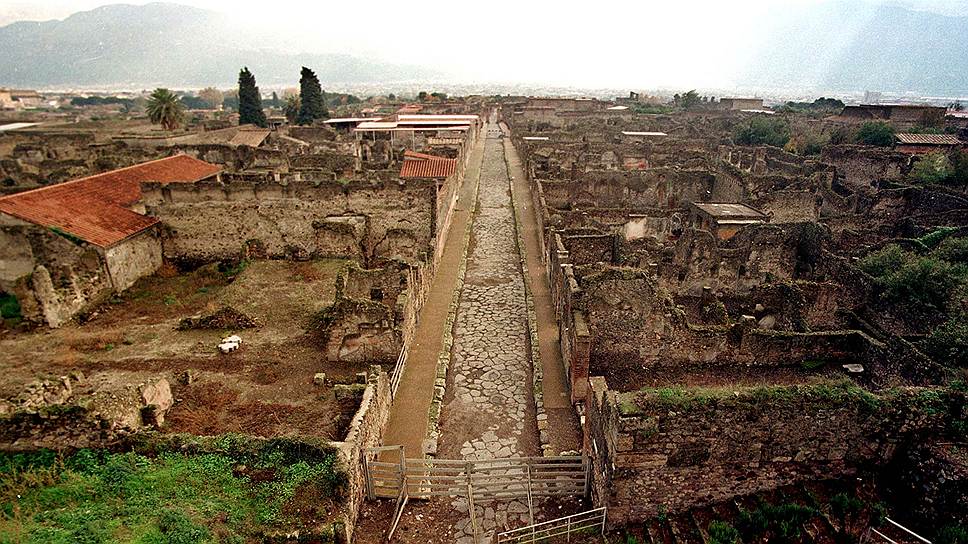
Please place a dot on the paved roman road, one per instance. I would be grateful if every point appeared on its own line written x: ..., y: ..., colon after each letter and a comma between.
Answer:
x: 489, y: 408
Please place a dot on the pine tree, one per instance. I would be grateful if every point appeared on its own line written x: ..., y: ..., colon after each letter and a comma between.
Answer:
x: 250, y: 102
x: 312, y: 103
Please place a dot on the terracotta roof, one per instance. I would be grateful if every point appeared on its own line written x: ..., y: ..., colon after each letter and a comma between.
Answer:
x: 928, y: 139
x: 95, y: 208
x: 421, y: 165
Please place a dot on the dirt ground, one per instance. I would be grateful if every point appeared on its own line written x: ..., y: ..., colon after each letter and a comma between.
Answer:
x: 265, y: 388
x: 432, y: 521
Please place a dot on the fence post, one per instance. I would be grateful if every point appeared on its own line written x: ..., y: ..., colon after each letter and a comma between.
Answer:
x: 403, y: 466
x: 468, y: 467
x: 568, y: 531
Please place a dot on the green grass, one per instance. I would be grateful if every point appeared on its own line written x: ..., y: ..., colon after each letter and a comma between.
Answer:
x: 95, y: 496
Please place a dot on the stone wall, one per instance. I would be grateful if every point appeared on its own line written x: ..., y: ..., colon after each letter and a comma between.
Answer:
x: 132, y: 259
x: 209, y: 221
x: 366, y: 431
x: 860, y: 166
x: 54, y: 277
x: 670, y: 451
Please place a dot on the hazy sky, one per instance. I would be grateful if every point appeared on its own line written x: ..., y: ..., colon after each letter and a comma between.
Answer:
x: 700, y: 43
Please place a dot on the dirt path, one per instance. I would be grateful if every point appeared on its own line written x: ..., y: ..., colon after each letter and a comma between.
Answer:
x: 563, y: 427
x: 408, y: 416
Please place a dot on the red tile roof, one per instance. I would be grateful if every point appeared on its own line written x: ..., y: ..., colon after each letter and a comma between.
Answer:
x: 421, y: 165
x: 95, y: 208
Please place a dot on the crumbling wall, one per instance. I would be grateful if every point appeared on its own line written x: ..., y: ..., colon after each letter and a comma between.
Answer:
x: 132, y: 259
x: 66, y: 275
x: 366, y: 431
x: 862, y: 166
x: 674, y: 449
x: 210, y: 221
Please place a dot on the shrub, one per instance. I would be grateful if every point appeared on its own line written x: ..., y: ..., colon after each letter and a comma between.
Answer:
x: 954, y: 250
x: 926, y: 283
x: 9, y: 306
x: 948, y: 343
x: 784, y: 521
x: 876, y: 133
x: 180, y: 529
x: 763, y: 130
x: 952, y: 534
x: 884, y: 261
x: 932, y: 168
x: 721, y: 532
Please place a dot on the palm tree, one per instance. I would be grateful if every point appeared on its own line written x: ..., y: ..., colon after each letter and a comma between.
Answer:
x: 165, y: 108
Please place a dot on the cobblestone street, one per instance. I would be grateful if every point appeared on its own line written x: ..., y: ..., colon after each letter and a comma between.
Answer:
x: 489, y: 412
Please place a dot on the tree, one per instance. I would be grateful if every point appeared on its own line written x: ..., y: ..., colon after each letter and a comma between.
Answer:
x: 212, y: 96
x: 932, y: 168
x: 193, y: 102
x: 165, y: 109
x: 763, y: 130
x: 687, y: 100
x: 876, y: 133
x: 275, y: 102
x: 250, y: 101
x: 291, y: 108
x: 312, y: 103
x: 422, y: 96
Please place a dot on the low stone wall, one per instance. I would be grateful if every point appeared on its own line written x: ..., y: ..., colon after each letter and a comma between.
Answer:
x: 670, y: 450
x: 366, y: 431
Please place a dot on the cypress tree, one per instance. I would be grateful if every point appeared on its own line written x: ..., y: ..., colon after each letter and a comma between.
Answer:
x: 312, y: 103
x: 250, y: 102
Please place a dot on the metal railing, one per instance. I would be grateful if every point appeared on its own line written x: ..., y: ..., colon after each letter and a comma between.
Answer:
x: 577, y: 525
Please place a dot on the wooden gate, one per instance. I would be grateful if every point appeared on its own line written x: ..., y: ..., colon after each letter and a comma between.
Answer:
x: 478, y: 481
x: 488, y: 479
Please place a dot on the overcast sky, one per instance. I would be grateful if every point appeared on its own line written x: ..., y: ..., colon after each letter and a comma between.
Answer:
x: 700, y: 43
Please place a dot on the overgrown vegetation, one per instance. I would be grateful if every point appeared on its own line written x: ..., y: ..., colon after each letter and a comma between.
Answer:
x: 9, y: 306
x: 820, y: 105
x: 763, y: 130
x: 941, y: 168
x: 783, y: 523
x: 721, y: 532
x: 680, y: 398
x: 228, y: 496
x: 876, y: 133
x: 952, y: 534
x: 651, y: 108
x: 932, y: 283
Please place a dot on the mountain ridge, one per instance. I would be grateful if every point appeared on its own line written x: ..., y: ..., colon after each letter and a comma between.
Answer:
x: 164, y: 44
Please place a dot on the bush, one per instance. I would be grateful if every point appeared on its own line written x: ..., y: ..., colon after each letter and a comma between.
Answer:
x: 180, y: 529
x: 9, y: 306
x: 721, y: 532
x: 763, y: 130
x: 927, y: 283
x: 932, y: 168
x: 784, y: 521
x: 954, y: 250
x: 884, y: 261
x: 952, y: 534
x: 876, y: 133
x: 948, y: 343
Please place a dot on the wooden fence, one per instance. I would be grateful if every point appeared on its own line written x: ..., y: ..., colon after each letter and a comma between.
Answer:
x: 479, y: 481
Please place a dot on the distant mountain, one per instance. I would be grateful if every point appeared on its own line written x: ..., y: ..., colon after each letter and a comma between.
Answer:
x: 164, y: 44
x: 851, y: 46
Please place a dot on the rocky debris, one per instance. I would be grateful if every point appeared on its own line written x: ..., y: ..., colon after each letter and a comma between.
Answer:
x: 230, y: 344
x: 319, y: 378
x: 43, y: 393
x: 225, y: 317
x: 157, y: 400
